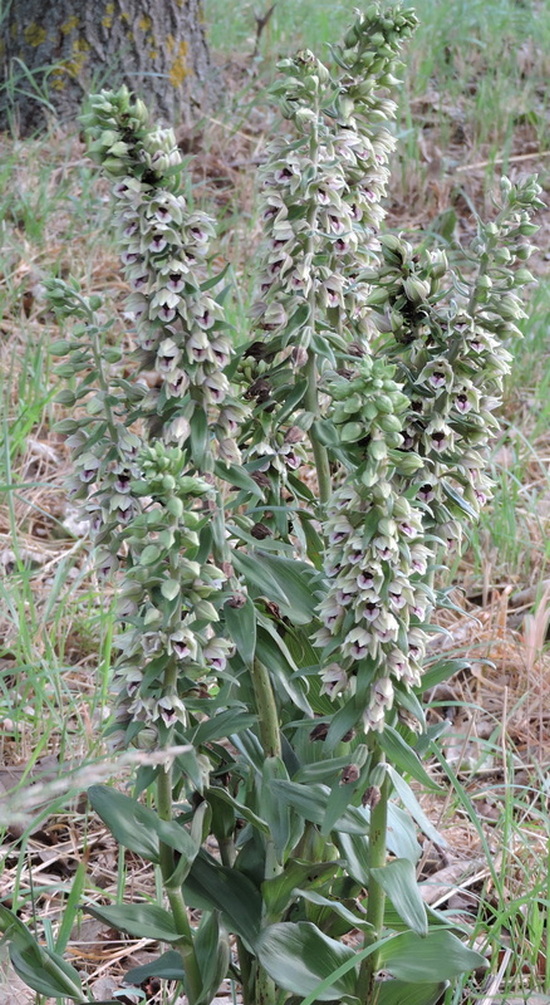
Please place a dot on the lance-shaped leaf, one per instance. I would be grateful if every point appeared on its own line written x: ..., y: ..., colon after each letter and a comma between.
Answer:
x: 258, y: 578
x: 398, y: 880
x: 311, y: 802
x: 299, y: 956
x: 169, y: 967
x: 405, y: 758
x: 354, y: 920
x: 43, y: 971
x: 130, y: 823
x: 439, y: 956
x: 298, y: 581
x: 241, y: 625
x: 142, y: 921
x: 212, y: 952
x: 46, y: 972
x: 281, y: 890
x: 403, y: 993
x: 213, y: 886
x: 410, y: 802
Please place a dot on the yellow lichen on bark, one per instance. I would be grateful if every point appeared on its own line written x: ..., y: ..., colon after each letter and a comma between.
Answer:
x: 178, y: 69
x: 107, y: 19
x: 34, y: 34
x: 70, y: 67
x: 170, y: 43
x: 69, y: 25
x: 145, y: 23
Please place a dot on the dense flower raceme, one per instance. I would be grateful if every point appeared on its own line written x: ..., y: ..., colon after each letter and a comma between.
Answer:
x: 376, y: 560
x: 147, y: 504
x: 448, y: 335
x: 322, y: 191
x: 169, y: 600
x: 418, y: 458
x: 180, y: 327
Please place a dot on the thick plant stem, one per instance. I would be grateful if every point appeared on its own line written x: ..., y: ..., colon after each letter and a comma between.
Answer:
x: 376, y: 896
x: 185, y: 946
x: 266, y: 992
x: 266, y: 710
x: 320, y: 454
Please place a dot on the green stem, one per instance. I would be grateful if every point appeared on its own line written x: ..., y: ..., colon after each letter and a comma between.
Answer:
x: 266, y: 710
x: 266, y: 992
x: 185, y: 945
x: 245, y: 967
x: 376, y: 896
x: 320, y: 454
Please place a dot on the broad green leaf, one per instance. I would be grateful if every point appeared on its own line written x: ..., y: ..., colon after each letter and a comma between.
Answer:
x: 337, y: 803
x: 401, y: 841
x: 46, y: 972
x: 354, y: 920
x: 274, y: 654
x: 169, y: 966
x: 268, y: 543
x: 297, y: 321
x: 15, y: 931
x: 410, y: 802
x: 299, y: 956
x: 241, y: 625
x: 223, y: 817
x: 405, y: 759
x: 237, y: 476
x: 354, y: 852
x: 403, y: 993
x: 275, y: 812
x: 298, y: 581
x: 229, y: 721
x: 176, y: 836
x: 398, y: 880
x: 259, y: 578
x: 199, y: 435
x: 401, y: 837
x: 132, y: 824
x: 441, y: 671
x: 281, y: 890
x: 460, y: 501
x: 143, y: 921
x: 188, y: 764
x: 292, y: 399
x: 240, y: 809
x: 322, y: 771
x: 342, y: 721
x: 311, y: 802
x: 212, y: 951
x: 213, y: 886
x: 439, y: 955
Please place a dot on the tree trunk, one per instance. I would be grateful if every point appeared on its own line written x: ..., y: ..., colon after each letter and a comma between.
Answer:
x: 57, y: 51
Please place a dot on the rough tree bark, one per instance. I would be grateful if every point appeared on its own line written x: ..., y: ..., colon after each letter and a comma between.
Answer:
x: 55, y: 51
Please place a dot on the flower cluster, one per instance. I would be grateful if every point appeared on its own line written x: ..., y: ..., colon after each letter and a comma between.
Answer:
x: 376, y: 560
x: 180, y: 326
x: 322, y: 193
x: 448, y: 334
x: 170, y: 597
